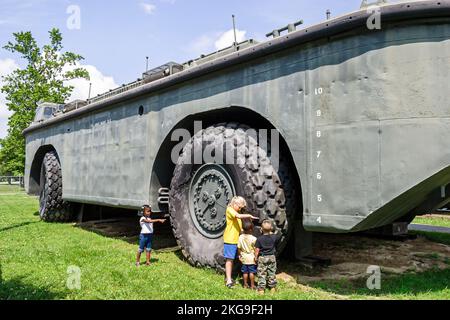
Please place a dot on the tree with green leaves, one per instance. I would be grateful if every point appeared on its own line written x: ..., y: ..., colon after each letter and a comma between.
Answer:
x: 42, y: 79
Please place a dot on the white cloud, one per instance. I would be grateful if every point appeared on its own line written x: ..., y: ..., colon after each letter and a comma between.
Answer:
x: 148, y: 7
x: 201, y: 45
x: 6, y: 67
x: 226, y: 39
x: 214, y: 41
x: 100, y: 84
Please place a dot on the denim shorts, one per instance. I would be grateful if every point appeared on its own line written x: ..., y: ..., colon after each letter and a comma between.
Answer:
x: 145, y: 242
x: 249, y: 268
x: 229, y: 251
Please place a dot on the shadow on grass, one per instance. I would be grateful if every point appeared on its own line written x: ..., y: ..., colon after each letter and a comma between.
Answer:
x: 152, y: 260
x: 19, y: 225
x: 429, y: 282
x: 130, y: 239
x: 128, y: 229
x: 16, y: 289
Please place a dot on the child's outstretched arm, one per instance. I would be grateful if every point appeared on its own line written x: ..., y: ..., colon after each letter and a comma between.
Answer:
x: 154, y: 220
x: 246, y: 216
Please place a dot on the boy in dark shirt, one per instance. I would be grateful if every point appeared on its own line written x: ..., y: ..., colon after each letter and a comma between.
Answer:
x: 265, y: 254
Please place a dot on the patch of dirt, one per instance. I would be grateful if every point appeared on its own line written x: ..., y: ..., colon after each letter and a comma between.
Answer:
x: 351, y: 255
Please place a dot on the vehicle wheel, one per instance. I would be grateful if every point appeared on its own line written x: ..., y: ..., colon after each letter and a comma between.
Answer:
x: 200, y: 193
x: 52, y: 208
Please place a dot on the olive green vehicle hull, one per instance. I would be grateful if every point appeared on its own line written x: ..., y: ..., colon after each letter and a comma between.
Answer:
x: 365, y: 115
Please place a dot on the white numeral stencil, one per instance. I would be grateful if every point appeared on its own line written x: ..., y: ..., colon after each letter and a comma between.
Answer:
x: 319, y: 113
x: 319, y: 198
x: 319, y: 220
x: 319, y: 176
x: 318, y: 91
x: 319, y: 134
x: 319, y: 153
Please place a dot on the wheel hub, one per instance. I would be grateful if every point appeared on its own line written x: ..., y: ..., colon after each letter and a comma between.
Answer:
x: 210, y: 192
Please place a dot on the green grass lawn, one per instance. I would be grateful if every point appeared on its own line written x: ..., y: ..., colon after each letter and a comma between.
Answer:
x: 433, y: 221
x: 9, y: 189
x: 35, y: 256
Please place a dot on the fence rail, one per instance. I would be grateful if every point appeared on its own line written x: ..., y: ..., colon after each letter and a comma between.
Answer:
x: 10, y: 180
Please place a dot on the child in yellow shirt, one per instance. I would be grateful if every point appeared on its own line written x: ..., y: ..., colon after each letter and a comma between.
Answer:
x: 231, y: 234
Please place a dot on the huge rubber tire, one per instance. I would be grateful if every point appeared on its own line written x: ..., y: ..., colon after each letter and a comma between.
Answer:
x: 270, y: 193
x: 52, y: 208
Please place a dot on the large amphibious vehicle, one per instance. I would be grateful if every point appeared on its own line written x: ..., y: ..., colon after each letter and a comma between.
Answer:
x: 362, y: 112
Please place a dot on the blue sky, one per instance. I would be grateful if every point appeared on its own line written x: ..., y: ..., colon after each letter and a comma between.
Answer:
x: 115, y: 36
